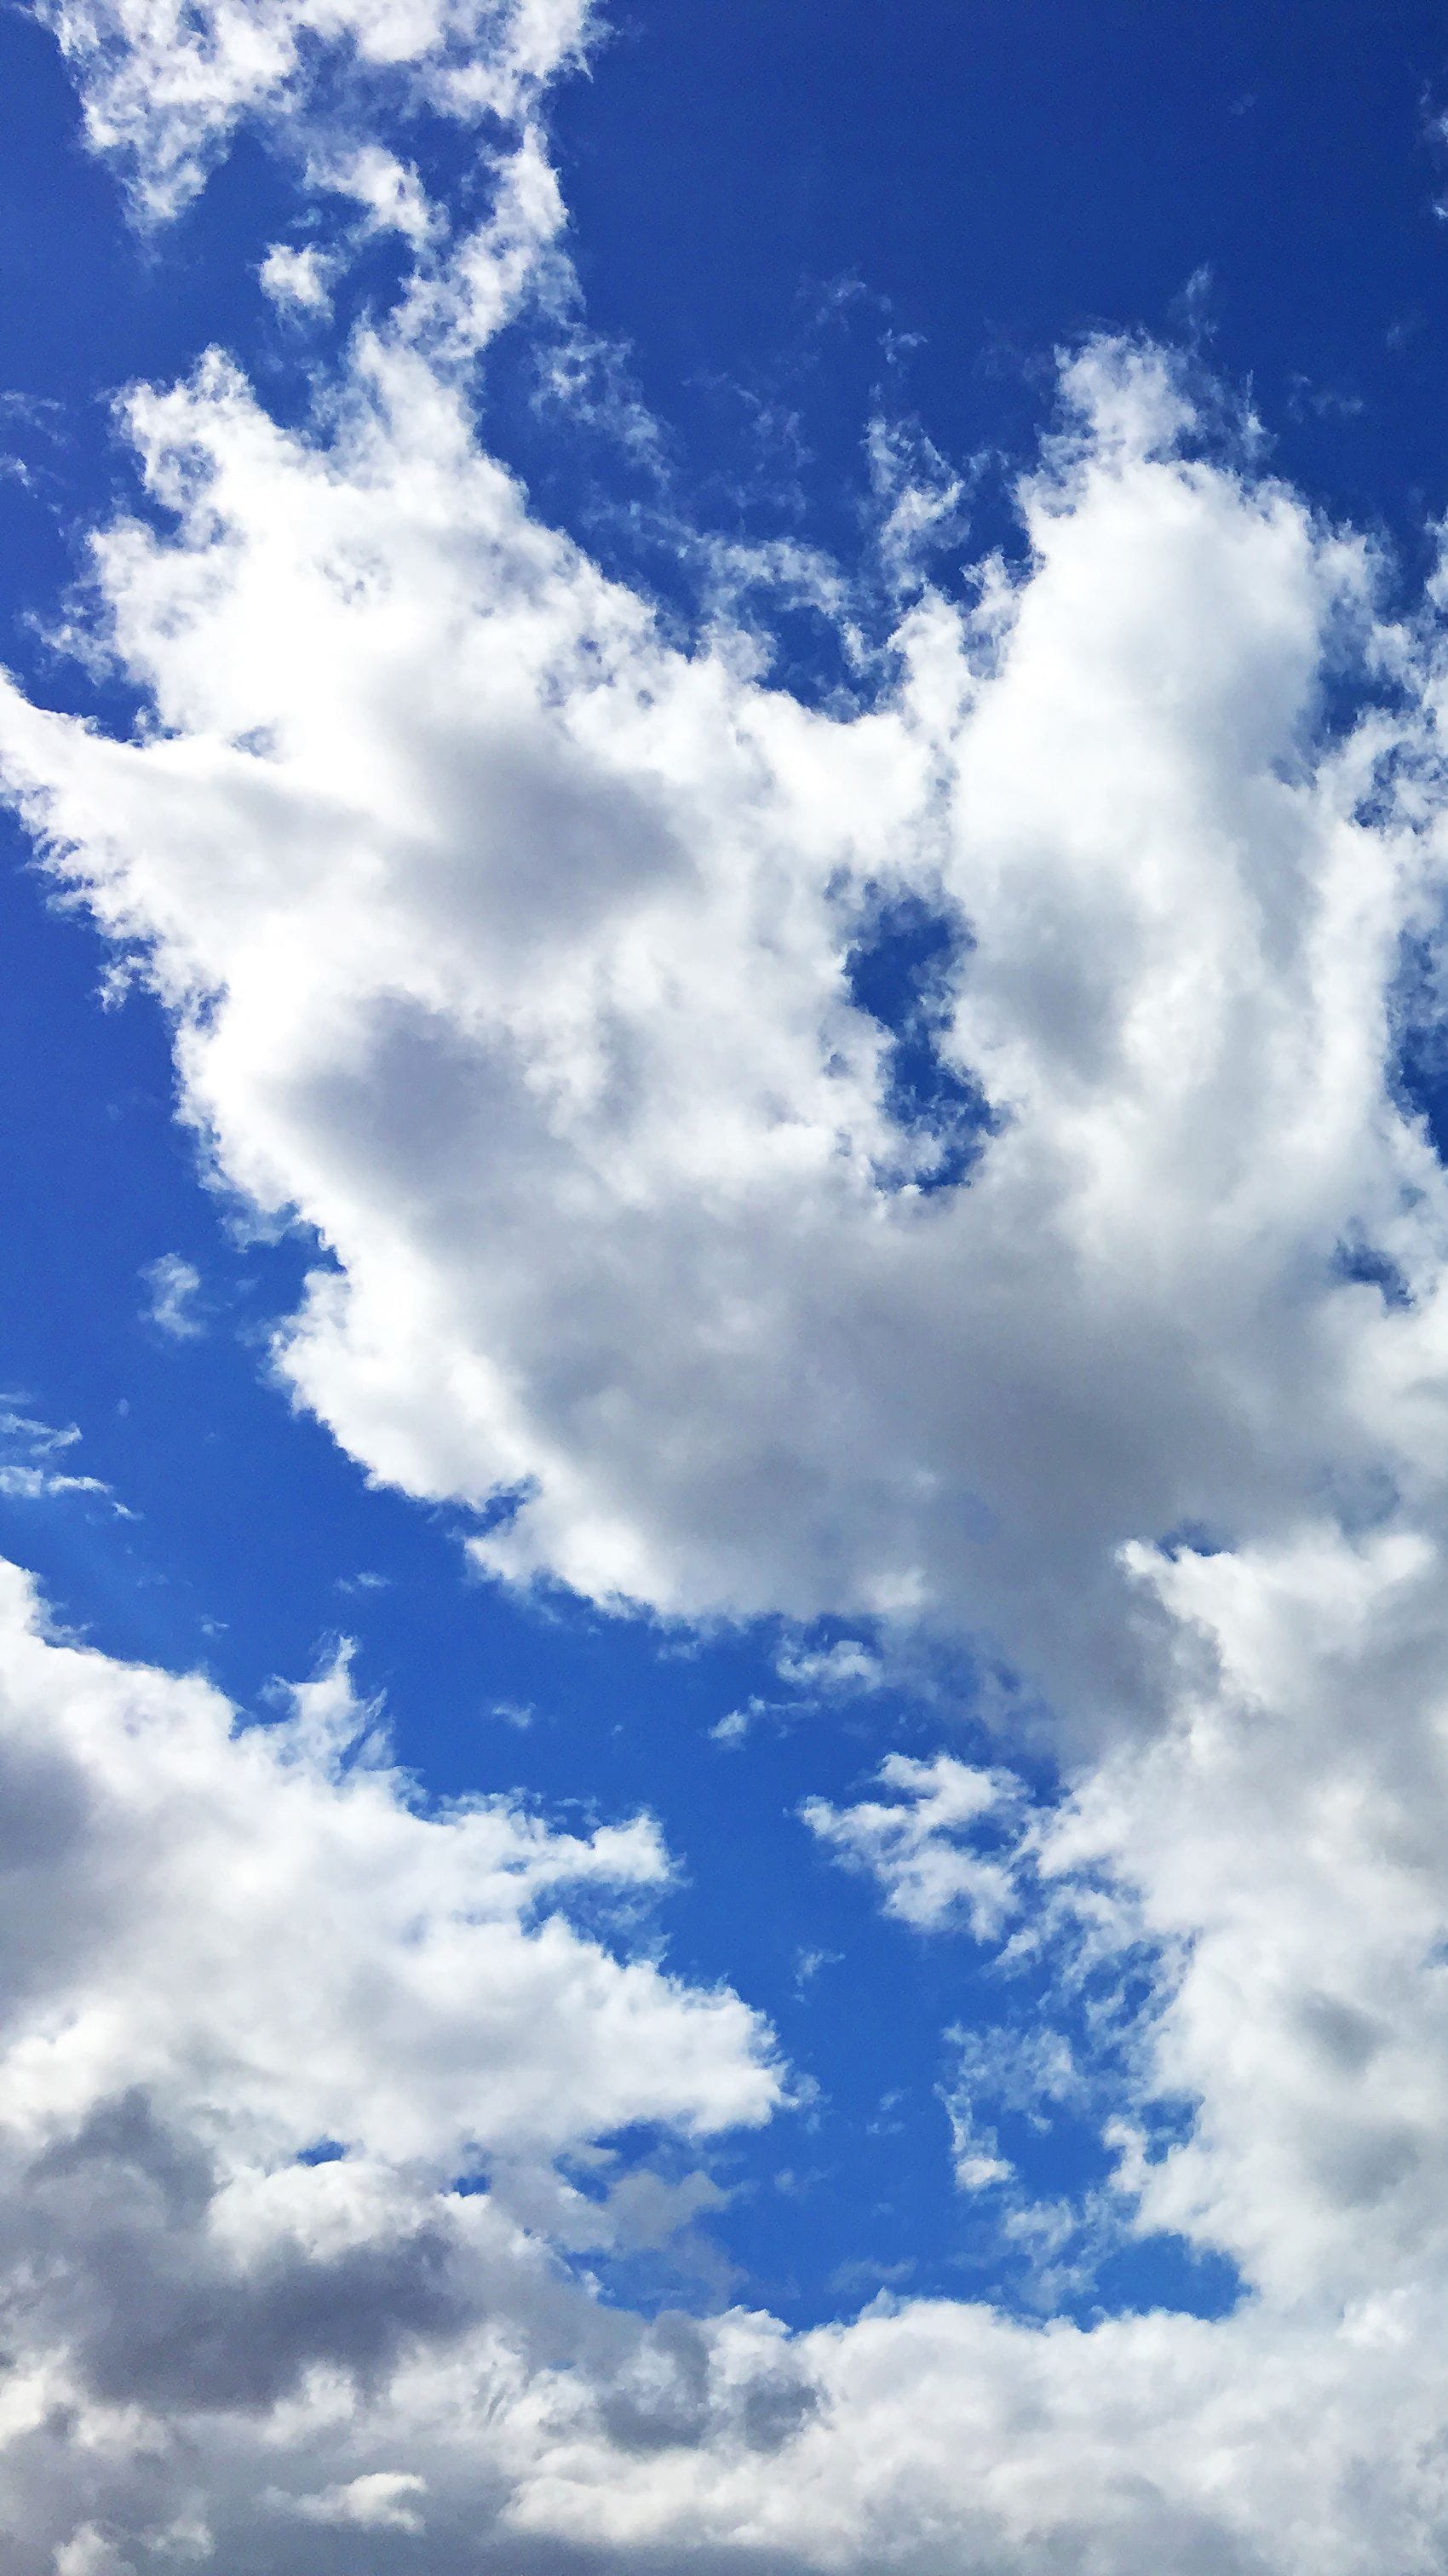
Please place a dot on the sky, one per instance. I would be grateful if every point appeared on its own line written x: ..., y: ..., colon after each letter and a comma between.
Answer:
x: 724, y: 1367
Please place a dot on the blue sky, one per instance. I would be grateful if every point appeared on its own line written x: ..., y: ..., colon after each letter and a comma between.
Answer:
x: 724, y: 890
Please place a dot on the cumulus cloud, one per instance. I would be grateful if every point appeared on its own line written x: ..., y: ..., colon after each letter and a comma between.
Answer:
x: 949, y: 2440
x: 290, y: 2064
x: 525, y: 954
x: 197, y: 1866
x: 384, y: 2500
x: 585, y: 998
x: 1283, y: 1838
x: 516, y: 948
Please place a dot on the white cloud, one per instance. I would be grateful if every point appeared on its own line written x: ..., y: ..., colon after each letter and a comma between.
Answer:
x: 445, y: 2008
x: 165, y: 82
x: 297, y: 281
x: 510, y: 945
x: 391, y: 195
x: 833, y: 1671
x: 515, y: 959
x: 32, y: 1462
x: 949, y: 2439
x: 380, y: 2501
x: 975, y: 2150
x: 1283, y: 1833
x: 453, y: 846
x: 175, y: 1286
x: 89, y: 2553
x: 914, y: 1845
x: 259, y: 2013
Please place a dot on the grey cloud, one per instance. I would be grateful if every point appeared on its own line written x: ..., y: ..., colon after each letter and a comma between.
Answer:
x: 44, y: 1808
x: 153, y: 2313
x: 667, y: 2393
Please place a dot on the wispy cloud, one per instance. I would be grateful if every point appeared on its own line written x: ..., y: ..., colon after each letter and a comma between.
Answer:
x: 33, y: 1456
x: 175, y: 1293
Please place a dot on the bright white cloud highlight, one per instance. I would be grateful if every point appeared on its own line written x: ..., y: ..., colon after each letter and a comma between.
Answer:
x: 916, y: 1844
x: 389, y: 193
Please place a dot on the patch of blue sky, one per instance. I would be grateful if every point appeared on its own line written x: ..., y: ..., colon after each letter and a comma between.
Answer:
x: 903, y: 970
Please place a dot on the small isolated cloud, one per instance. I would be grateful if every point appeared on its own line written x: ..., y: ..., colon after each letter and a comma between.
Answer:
x: 821, y: 1674
x: 297, y: 282
x: 975, y: 2154
x: 916, y: 1847
x: 808, y: 1964
x: 175, y: 1286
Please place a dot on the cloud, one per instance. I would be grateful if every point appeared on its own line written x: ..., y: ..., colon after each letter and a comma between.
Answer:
x: 381, y: 2501
x: 439, y: 1959
x: 297, y: 281
x: 516, y: 947
x: 491, y: 917
x: 1282, y: 1836
x: 32, y: 1469
x: 389, y: 192
x: 828, y: 1673
x: 1070, y: 1282
x: 267, y: 2027
x: 164, y: 83
x: 175, y: 1286
x: 915, y: 1845
x: 833, y: 1670
x: 950, y: 2440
